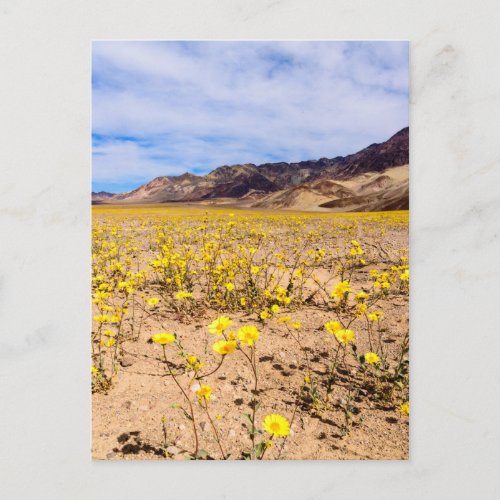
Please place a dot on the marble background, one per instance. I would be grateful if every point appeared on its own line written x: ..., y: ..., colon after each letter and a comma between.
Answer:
x: 44, y: 247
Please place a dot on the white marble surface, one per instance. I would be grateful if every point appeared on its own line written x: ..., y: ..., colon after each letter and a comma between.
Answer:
x: 44, y: 247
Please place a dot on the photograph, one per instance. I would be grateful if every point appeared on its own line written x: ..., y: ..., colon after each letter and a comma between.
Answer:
x: 250, y: 250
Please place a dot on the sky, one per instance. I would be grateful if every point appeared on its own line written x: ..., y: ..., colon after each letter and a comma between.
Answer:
x: 165, y: 108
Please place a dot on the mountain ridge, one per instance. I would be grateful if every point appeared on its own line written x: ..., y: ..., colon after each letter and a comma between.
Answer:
x: 265, y: 184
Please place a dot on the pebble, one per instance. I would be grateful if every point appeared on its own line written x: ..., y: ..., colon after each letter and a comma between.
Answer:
x: 173, y: 450
x: 232, y: 433
x: 127, y: 361
x: 203, y: 425
x: 110, y: 455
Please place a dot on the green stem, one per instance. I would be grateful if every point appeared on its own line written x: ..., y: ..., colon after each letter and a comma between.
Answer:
x: 217, y: 438
x: 196, y: 445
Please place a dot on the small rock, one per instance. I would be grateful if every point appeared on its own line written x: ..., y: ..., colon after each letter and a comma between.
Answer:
x: 110, y: 455
x: 127, y: 361
x: 232, y: 433
x: 173, y: 450
x: 203, y: 425
x: 182, y: 427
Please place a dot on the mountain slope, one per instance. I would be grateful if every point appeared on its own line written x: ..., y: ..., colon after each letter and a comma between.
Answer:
x: 370, y: 191
x: 101, y: 196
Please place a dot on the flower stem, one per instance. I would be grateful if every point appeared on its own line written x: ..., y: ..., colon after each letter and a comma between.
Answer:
x: 191, y: 410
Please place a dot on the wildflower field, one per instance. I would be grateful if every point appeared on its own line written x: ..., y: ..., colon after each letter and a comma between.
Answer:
x: 241, y: 334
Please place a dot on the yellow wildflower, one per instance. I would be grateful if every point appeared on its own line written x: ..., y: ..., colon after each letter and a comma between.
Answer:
x: 192, y: 360
x: 298, y: 273
x: 371, y: 358
x: 264, y: 314
x: 219, y: 325
x: 110, y: 343
x: 333, y: 326
x: 405, y: 408
x: 115, y: 318
x: 101, y: 318
x: 224, y: 347
x: 375, y: 316
x: 276, y: 425
x: 344, y: 336
x: 163, y: 338
x: 341, y: 290
x: 405, y: 276
x: 205, y: 391
x: 248, y: 335
x: 361, y: 309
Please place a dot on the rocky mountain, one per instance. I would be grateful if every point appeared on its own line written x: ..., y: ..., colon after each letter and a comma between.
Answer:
x: 375, y: 178
x: 101, y: 196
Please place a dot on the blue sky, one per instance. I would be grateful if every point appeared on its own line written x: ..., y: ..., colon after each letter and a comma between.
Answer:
x: 164, y: 108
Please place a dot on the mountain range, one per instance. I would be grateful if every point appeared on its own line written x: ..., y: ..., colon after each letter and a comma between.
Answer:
x: 373, y: 179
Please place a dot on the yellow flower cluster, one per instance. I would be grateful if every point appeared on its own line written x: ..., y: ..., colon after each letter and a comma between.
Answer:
x: 341, y: 290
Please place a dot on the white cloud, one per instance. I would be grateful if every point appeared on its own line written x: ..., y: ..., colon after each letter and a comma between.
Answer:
x: 197, y: 105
